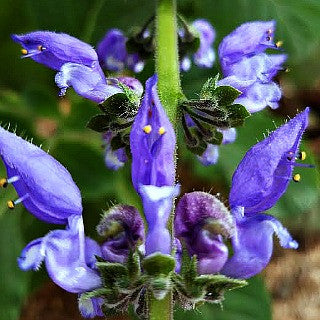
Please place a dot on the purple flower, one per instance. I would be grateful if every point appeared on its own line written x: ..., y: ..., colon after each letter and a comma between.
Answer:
x: 68, y: 255
x: 44, y: 186
x: 123, y: 229
x: 266, y: 170
x: 211, y: 154
x: 259, y: 181
x: 152, y: 142
x: 261, y: 67
x: 247, y: 68
x: 157, y: 204
x: 248, y: 39
x: 55, y: 49
x: 113, y: 55
x: 202, y: 221
x: 252, y: 243
x: 205, y: 55
x: 87, y: 82
x: 114, y: 159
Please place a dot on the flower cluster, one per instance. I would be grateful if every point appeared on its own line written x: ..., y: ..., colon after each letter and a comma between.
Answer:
x: 129, y: 261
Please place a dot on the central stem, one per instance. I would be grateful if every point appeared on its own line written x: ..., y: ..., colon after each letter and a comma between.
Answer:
x: 169, y: 89
x: 167, y: 60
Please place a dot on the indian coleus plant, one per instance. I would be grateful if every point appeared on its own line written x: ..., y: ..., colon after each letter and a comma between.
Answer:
x: 135, y: 258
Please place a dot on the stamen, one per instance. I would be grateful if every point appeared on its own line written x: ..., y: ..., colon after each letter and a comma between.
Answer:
x: 302, y: 155
x: 12, y: 203
x: 269, y: 31
x: 268, y: 38
x: 296, y: 177
x: 4, y: 181
x: 162, y: 130
x: 41, y: 48
x: 147, y: 129
x: 24, y: 51
x: 279, y: 44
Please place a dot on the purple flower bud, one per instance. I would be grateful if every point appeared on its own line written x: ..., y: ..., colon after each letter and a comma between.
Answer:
x: 112, y: 50
x: 248, y: 39
x: 152, y: 142
x: 44, y: 186
x: 202, y: 221
x: 114, y: 159
x: 205, y: 55
x: 55, y: 49
x: 123, y: 228
x: 87, y: 82
x: 253, y: 243
x: 266, y: 170
x: 210, y: 156
x: 157, y: 205
x: 113, y: 55
x: 68, y: 256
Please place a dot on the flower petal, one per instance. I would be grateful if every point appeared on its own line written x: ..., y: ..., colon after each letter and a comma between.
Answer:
x: 87, y: 82
x: 65, y: 258
x: 210, y: 155
x: 157, y: 204
x: 253, y: 244
x: 152, y: 142
x: 248, y: 39
x: 55, y: 49
x: 265, y: 171
x: 31, y: 256
x: 46, y: 186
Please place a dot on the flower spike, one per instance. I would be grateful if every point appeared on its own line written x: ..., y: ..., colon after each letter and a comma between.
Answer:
x: 44, y: 186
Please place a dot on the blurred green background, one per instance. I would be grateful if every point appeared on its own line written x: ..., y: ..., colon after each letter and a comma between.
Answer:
x: 29, y: 102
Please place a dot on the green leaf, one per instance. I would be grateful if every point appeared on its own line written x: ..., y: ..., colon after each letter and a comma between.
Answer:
x: 158, y: 264
x: 237, y: 113
x: 226, y: 95
x: 249, y: 303
x: 99, y: 123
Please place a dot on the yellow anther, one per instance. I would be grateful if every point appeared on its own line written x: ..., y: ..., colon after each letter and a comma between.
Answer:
x: 279, y: 44
x: 302, y: 155
x: 296, y: 177
x: 147, y: 128
x: 10, y: 204
x: 162, y: 130
x: 24, y: 51
x: 3, y: 183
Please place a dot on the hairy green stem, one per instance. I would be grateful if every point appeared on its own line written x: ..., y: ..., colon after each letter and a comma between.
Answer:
x: 167, y: 68
x: 160, y: 309
x: 167, y: 60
